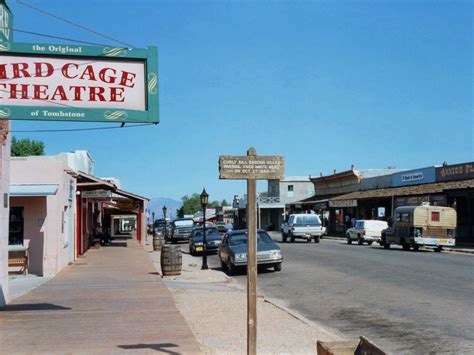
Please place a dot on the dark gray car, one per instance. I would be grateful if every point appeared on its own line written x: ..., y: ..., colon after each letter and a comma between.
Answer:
x: 233, y: 251
x: 181, y: 230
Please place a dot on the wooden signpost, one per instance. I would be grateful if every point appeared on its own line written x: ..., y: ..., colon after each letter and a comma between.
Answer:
x: 251, y: 168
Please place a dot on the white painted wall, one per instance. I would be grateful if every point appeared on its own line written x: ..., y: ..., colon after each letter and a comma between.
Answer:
x: 4, y: 215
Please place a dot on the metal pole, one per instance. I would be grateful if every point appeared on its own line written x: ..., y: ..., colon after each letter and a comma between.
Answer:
x: 204, y: 239
x: 251, y: 263
x: 153, y: 223
x: 165, y: 232
x: 259, y: 215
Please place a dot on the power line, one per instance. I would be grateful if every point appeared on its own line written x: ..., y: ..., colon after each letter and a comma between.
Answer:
x: 80, y: 129
x: 71, y: 23
x: 55, y: 37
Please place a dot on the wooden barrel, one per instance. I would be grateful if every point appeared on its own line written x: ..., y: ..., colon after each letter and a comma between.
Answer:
x: 158, y: 241
x: 171, y: 260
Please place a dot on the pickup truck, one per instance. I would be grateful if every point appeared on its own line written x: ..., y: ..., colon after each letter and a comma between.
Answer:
x: 181, y: 230
x: 302, y: 226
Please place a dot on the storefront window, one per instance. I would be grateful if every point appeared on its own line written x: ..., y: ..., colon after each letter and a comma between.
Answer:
x: 16, y: 228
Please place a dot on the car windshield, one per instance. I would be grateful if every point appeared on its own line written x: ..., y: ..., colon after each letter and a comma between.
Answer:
x: 209, y: 231
x: 308, y: 219
x: 241, y: 238
x: 184, y: 223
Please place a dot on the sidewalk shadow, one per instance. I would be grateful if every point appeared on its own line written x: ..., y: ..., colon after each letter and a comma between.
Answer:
x: 32, y: 307
x: 161, y: 347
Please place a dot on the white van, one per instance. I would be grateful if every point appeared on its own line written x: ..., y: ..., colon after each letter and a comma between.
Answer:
x: 368, y: 231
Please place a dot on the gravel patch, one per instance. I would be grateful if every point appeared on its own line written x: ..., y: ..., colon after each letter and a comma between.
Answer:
x: 215, y: 307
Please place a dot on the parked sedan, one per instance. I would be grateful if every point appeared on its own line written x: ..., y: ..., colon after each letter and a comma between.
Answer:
x: 366, y: 231
x: 233, y: 251
x: 196, y: 241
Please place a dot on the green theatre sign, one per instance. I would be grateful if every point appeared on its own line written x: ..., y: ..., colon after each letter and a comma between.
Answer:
x: 49, y: 82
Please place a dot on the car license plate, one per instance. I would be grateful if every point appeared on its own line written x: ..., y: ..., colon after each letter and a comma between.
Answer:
x: 198, y: 248
x: 442, y: 241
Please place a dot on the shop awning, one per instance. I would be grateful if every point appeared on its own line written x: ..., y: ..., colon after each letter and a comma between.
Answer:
x: 317, y: 202
x: 425, y: 189
x: 32, y: 190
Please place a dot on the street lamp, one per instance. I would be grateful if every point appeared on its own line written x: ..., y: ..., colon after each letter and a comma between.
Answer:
x: 164, y: 217
x: 204, y: 201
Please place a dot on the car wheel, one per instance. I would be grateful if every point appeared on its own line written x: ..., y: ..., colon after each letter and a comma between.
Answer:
x: 386, y: 245
x: 405, y: 246
x: 438, y: 249
x: 277, y: 267
x: 317, y: 238
x: 349, y: 240
x: 360, y: 241
x: 369, y: 243
x: 292, y: 238
x: 416, y: 247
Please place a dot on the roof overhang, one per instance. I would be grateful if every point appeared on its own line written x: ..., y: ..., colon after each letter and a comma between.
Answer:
x: 86, y: 182
x: 33, y: 190
x: 433, y: 188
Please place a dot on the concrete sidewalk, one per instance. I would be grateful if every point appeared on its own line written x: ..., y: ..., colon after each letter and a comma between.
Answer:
x: 110, y: 301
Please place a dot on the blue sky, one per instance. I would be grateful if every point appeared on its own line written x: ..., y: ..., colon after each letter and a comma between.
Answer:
x: 326, y: 84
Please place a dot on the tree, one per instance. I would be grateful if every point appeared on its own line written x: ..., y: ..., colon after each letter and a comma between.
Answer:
x: 26, y: 147
x: 224, y: 203
x: 190, y: 205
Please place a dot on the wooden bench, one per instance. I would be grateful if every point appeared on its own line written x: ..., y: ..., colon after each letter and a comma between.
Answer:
x: 18, y: 257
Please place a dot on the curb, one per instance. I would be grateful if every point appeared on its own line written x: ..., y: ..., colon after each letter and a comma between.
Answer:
x: 447, y: 249
x: 323, y: 328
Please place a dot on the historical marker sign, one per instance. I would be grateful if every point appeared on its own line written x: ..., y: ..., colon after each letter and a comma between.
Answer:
x: 251, y: 167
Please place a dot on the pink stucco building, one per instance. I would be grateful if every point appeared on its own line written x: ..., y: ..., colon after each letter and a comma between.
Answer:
x: 56, y: 205
x: 42, y: 204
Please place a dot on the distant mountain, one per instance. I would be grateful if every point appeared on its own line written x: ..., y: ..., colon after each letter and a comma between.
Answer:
x: 156, y: 204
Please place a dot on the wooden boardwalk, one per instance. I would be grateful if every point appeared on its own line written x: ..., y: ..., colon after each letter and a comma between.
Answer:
x: 110, y: 301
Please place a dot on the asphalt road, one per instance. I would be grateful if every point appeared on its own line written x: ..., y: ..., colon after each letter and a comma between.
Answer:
x: 407, y: 302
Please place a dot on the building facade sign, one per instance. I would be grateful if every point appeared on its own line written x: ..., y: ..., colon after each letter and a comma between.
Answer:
x: 414, y: 177
x: 97, y: 194
x: 321, y: 205
x: 78, y: 83
x: 5, y: 25
x: 435, y: 200
x: 342, y: 203
x: 455, y: 172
